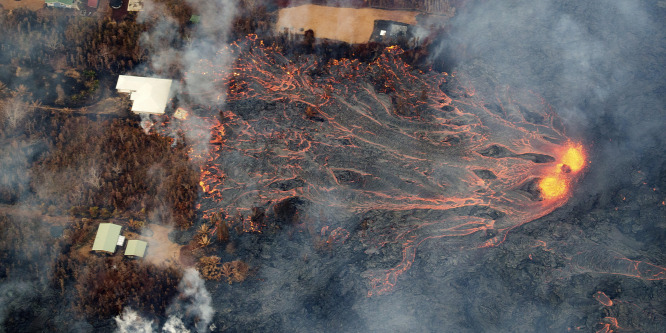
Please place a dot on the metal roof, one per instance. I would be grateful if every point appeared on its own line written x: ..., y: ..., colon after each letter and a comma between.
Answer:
x: 107, y: 236
x: 64, y: 2
x: 135, y: 248
x: 149, y: 95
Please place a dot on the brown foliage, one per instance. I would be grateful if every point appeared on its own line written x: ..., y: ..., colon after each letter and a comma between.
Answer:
x: 101, y: 44
x: 105, y: 286
x: 235, y: 271
x: 203, y: 229
x: 222, y: 232
x: 203, y: 240
x: 112, y: 165
x: 209, y: 268
x: 25, y: 244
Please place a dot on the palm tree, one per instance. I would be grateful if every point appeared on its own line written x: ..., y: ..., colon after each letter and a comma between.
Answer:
x: 204, y: 240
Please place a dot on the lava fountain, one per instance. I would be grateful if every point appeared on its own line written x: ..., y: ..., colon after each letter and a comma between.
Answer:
x: 393, y: 154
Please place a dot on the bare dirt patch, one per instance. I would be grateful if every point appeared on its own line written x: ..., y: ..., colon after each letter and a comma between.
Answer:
x: 160, y: 250
x: 29, y: 4
x: 350, y: 25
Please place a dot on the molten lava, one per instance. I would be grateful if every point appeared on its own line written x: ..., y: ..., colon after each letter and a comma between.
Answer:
x: 411, y: 155
x: 553, y: 187
x: 574, y: 158
x: 556, y: 183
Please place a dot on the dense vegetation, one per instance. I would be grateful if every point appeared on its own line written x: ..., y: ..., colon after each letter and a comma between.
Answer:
x: 72, y: 157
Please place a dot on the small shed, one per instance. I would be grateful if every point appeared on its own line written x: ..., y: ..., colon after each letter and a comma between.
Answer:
x: 135, y: 5
x: 107, y: 237
x: 61, y: 4
x: 135, y: 248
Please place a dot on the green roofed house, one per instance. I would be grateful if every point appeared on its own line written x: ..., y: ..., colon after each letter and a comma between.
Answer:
x: 62, y: 4
x: 108, y: 237
x: 195, y: 18
x: 136, y: 248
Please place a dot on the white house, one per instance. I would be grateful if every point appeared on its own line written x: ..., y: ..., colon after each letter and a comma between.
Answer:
x: 149, y: 95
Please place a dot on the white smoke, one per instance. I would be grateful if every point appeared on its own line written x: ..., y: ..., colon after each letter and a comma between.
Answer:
x: 131, y: 322
x: 206, y: 44
x: 193, y: 303
x: 205, y: 49
x: 209, y: 42
x: 175, y: 325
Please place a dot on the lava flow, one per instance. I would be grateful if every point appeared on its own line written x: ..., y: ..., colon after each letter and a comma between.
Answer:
x: 395, y: 154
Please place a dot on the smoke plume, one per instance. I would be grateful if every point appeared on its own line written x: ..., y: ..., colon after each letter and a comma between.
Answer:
x: 593, y: 61
x: 193, y: 305
x: 170, y: 55
x: 131, y: 322
x: 191, y: 308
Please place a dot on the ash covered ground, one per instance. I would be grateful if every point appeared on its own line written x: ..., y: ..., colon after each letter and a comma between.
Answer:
x: 337, y: 184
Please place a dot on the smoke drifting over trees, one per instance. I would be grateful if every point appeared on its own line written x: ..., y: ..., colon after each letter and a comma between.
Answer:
x: 268, y: 257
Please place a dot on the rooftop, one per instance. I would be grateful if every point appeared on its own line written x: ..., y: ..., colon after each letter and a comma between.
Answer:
x: 150, y: 95
x: 66, y: 2
x: 107, y: 237
x: 135, y: 248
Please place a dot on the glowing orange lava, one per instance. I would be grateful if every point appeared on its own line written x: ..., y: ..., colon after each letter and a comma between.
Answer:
x: 602, y: 298
x: 410, y: 154
x: 553, y: 187
x: 556, y: 183
x: 574, y: 158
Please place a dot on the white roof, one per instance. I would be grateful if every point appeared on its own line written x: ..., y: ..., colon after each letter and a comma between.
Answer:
x: 135, y: 5
x: 150, y: 95
x: 121, y: 241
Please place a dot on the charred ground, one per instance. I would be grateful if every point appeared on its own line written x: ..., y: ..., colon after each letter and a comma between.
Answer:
x: 280, y: 258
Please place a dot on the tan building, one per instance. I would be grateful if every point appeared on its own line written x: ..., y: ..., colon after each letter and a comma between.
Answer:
x: 29, y: 4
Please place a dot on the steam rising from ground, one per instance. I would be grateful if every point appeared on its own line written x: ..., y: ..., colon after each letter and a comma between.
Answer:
x: 194, y: 302
x: 192, y: 306
x: 169, y: 54
x: 131, y: 322
x: 207, y: 41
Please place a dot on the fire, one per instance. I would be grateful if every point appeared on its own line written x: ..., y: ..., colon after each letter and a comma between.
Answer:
x: 574, y: 158
x: 553, y: 187
x: 556, y: 183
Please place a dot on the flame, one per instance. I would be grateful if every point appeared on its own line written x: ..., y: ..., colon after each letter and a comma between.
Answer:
x: 553, y: 187
x: 574, y: 158
x: 556, y: 183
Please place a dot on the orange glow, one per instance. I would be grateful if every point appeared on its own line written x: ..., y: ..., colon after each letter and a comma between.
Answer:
x: 602, y: 298
x: 553, y: 187
x: 555, y: 184
x: 574, y: 158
